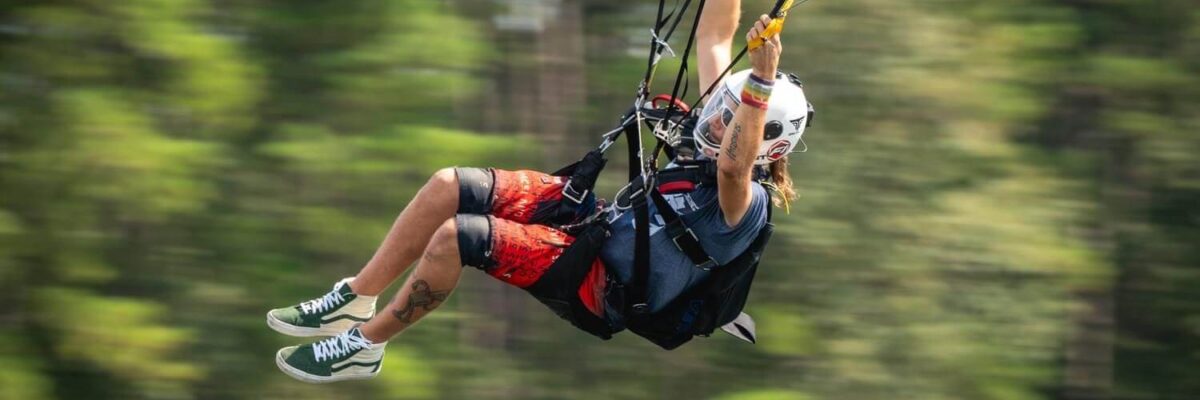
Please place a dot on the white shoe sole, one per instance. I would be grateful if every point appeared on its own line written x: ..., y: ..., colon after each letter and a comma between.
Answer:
x: 330, y: 329
x: 293, y: 372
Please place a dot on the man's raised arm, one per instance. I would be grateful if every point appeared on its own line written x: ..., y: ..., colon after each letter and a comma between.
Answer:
x: 714, y: 38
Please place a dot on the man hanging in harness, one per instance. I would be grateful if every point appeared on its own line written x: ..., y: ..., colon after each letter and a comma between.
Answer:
x: 671, y: 258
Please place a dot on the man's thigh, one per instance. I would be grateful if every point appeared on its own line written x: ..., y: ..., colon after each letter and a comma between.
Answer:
x: 522, y: 254
x: 512, y: 195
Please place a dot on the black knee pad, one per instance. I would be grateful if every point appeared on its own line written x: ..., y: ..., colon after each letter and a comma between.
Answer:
x: 474, y: 240
x: 475, y: 187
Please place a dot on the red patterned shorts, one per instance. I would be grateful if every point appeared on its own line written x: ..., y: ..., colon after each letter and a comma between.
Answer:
x: 497, y: 236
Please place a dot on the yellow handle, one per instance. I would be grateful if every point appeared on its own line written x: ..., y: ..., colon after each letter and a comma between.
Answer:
x: 773, y: 28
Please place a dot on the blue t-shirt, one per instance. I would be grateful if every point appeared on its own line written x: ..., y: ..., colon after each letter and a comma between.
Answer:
x: 671, y: 272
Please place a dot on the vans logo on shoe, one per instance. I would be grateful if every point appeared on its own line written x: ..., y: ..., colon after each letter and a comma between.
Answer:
x: 340, y: 317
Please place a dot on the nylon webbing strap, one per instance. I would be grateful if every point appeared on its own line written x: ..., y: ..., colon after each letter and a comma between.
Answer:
x: 637, y: 288
x: 683, y: 236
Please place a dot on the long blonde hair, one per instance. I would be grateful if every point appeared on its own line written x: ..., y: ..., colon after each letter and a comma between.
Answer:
x: 784, y: 191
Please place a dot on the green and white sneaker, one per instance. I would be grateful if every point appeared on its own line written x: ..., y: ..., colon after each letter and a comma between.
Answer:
x: 328, y: 315
x: 343, y: 357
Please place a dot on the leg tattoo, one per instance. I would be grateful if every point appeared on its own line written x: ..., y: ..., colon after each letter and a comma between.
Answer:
x: 422, y: 296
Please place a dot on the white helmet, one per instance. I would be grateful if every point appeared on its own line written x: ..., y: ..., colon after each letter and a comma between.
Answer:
x: 788, y: 113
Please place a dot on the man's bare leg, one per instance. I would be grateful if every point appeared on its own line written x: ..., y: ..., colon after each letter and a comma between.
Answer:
x: 435, y: 203
x: 358, y: 353
x: 426, y: 288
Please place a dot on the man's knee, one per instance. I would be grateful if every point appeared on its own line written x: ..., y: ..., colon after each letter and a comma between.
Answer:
x: 443, y: 184
x: 444, y: 242
x: 444, y: 178
x: 473, y: 235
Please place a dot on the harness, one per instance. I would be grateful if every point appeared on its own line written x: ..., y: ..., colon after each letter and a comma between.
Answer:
x: 718, y: 299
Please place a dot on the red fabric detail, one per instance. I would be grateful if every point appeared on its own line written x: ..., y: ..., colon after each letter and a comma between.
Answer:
x: 683, y: 107
x: 591, y: 291
x: 518, y: 193
x: 523, y: 252
x: 676, y: 187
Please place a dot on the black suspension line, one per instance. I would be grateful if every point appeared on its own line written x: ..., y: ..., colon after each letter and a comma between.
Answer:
x: 680, y: 77
x: 659, y: 43
x: 683, y: 63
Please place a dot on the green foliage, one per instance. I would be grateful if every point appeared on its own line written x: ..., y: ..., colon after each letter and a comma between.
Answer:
x: 21, y: 377
x: 121, y: 337
x: 766, y: 395
x: 406, y: 375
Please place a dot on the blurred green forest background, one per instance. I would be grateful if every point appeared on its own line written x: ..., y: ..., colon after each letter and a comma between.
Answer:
x: 1001, y: 201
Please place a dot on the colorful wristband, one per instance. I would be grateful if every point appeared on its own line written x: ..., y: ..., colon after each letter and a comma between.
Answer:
x: 757, y: 91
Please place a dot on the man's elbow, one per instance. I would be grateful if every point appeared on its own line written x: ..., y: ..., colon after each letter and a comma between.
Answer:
x: 715, y: 43
x: 731, y: 171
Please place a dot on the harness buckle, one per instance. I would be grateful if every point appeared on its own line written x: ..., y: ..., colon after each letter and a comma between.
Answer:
x: 570, y: 193
x: 633, y: 194
x: 708, y: 264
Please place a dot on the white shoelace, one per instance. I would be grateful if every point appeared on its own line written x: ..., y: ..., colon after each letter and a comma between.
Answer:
x: 338, y: 346
x: 320, y: 304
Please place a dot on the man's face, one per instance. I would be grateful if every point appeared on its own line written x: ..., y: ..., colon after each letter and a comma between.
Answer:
x: 718, y: 122
x: 719, y: 118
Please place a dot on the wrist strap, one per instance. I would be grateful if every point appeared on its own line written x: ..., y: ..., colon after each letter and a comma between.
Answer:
x: 757, y: 91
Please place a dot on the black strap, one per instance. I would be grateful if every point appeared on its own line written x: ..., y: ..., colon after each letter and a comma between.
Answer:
x: 637, y: 291
x: 637, y: 288
x: 583, y: 175
x: 683, y: 236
